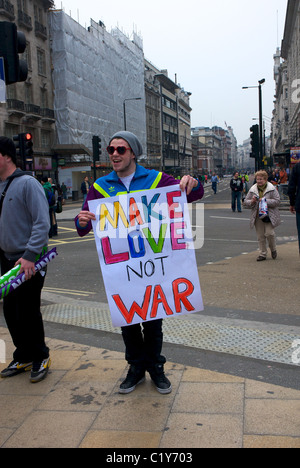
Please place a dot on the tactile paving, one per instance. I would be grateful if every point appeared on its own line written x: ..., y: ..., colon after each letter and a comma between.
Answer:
x: 247, y: 341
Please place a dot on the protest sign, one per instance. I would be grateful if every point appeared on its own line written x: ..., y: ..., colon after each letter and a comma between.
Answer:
x: 145, y: 247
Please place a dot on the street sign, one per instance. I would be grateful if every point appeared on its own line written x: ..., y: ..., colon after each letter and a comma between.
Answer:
x: 2, y: 81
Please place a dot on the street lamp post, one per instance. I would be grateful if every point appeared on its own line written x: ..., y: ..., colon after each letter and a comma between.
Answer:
x: 260, y: 121
x: 124, y: 107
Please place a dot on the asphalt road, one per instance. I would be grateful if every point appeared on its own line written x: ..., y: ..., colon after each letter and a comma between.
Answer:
x: 226, y: 235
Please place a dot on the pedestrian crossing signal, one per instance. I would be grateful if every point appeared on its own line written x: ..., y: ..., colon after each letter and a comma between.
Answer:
x: 24, y: 148
x: 12, y: 43
x: 28, y: 147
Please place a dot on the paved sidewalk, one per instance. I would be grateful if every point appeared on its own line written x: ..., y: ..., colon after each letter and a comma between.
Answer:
x: 78, y: 405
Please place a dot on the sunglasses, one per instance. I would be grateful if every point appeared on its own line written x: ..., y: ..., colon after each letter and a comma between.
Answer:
x: 119, y: 149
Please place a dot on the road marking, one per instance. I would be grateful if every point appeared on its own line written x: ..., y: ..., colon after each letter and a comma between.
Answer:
x: 67, y: 229
x: 231, y: 240
x: 68, y: 291
x: 53, y: 243
x: 226, y: 217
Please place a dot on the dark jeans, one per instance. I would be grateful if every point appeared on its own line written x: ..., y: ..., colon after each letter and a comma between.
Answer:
x: 53, y: 221
x: 143, y: 347
x: 236, y: 200
x: 24, y: 319
x: 298, y: 227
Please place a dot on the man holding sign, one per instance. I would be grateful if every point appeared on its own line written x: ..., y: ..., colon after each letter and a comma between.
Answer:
x: 130, y: 266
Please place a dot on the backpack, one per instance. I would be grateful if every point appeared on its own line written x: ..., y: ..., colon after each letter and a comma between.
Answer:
x: 51, y: 197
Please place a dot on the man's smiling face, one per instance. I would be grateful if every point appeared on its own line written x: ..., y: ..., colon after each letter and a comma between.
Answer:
x: 123, y: 164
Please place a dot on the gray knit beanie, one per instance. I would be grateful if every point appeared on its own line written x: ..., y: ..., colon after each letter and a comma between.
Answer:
x: 131, y: 139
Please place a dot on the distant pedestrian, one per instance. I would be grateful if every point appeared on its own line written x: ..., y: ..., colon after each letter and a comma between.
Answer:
x: 264, y: 227
x: 64, y: 191
x: 85, y: 187
x: 50, y: 195
x: 283, y: 176
x: 245, y: 188
x: 236, y: 186
x: 274, y: 178
x: 294, y: 195
x: 214, y: 182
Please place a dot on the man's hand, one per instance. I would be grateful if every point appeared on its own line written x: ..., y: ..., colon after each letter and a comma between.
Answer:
x: 85, y: 217
x: 27, y: 267
x: 292, y: 209
x: 188, y: 183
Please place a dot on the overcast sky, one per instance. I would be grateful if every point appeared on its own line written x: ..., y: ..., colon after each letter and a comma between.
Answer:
x: 215, y: 48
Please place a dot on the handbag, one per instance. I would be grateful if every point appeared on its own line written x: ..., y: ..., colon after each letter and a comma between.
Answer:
x: 59, y: 207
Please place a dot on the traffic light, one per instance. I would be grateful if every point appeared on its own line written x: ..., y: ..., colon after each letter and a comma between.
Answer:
x: 28, y: 144
x: 24, y: 148
x: 96, y: 148
x: 254, y: 137
x: 12, y: 43
x: 96, y: 152
x: 19, y: 146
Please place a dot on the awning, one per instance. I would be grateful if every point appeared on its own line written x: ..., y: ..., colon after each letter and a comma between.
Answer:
x: 71, y: 149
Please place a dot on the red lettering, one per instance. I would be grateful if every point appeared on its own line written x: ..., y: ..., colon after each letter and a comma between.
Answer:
x: 109, y: 257
x: 135, y: 308
x: 159, y: 298
x: 134, y: 213
x: 175, y: 236
x: 173, y: 205
x: 182, y: 296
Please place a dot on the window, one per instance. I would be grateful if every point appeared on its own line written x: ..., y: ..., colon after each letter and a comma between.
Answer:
x: 38, y: 14
x: 41, y: 60
x: 44, y: 99
x: 28, y: 94
x: 27, y: 55
x: 22, y: 5
x: 45, y: 139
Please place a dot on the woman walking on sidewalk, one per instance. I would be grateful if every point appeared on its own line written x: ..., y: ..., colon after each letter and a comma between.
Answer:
x: 264, y: 227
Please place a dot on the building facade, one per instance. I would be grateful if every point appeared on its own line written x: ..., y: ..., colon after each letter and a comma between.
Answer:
x: 85, y: 82
x: 98, y: 80
x: 215, y: 149
x: 29, y: 105
x: 168, y: 115
x: 184, y: 127
x: 286, y: 113
x: 153, y: 117
x: 208, y: 149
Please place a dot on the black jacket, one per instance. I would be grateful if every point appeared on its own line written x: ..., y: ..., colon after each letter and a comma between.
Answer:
x: 236, y: 185
x: 294, y: 188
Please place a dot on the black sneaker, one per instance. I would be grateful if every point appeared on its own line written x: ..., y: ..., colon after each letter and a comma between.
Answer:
x: 134, y: 377
x: 15, y: 368
x: 162, y: 383
x: 40, y: 370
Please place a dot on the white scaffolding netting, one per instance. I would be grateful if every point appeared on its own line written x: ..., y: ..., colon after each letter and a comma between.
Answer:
x: 94, y: 72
